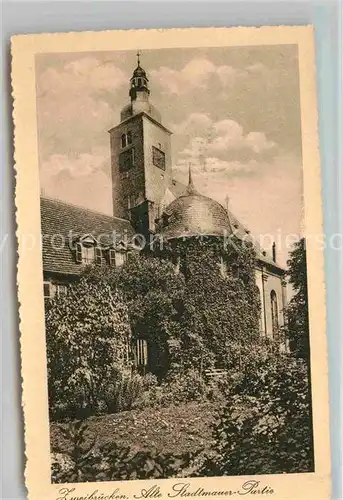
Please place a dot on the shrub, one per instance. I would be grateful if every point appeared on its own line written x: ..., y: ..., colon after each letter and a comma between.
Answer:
x: 150, y: 381
x: 265, y: 426
x: 178, y: 388
x: 182, y: 388
x: 88, y: 334
x: 123, y: 393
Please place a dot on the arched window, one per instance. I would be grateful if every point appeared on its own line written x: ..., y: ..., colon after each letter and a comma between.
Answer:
x: 275, y: 313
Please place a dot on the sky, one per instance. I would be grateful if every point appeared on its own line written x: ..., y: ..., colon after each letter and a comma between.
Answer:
x: 234, y: 113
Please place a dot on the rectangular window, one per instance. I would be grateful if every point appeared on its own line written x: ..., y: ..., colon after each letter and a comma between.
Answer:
x: 141, y: 352
x: 120, y: 258
x: 61, y: 290
x: 47, y: 289
x: 112, y: 257
x: 158, y: 158
x: 126, y: 139
x: 116, y: 258
x: 126, y: 160
x: 52, y: 290
x: 88, y: 254
x: 98, y: 255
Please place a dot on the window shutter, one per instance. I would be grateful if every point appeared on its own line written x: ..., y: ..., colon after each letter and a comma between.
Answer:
x: 47, y: 290
x: 98, y: 255
x: 112, y: 257
x: 78, y: 252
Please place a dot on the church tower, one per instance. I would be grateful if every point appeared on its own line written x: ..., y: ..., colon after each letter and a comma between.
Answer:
x: 140, y: 157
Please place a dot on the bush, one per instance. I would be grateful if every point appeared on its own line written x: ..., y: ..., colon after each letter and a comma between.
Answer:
x: 183, y: 388
x: 178, y: 388
x: 87, y: 334
x: 111, y: 462
x: 122, y: 394
x: 265, y: 426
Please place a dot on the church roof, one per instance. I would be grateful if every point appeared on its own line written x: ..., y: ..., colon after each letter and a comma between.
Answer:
x: 192, y: 214
x: 139, y: 71
x: 62, y: 223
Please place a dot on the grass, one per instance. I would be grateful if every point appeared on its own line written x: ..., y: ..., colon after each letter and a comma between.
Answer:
x: 176, y: 429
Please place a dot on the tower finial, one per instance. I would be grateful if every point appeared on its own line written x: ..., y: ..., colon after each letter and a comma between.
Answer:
x: 227, y: 208
x: 138, y: 57
x: 190, y: 188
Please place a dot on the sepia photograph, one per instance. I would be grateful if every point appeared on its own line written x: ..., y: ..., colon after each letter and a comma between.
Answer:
x: 175, y: 268
x: 177, y: 345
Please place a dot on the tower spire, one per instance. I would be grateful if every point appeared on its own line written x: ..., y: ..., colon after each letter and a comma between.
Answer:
x: 190, y: 188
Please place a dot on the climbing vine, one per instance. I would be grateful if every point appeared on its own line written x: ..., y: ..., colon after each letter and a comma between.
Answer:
x: 220, y: 307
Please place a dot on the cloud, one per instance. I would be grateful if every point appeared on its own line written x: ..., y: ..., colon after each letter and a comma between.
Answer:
x: 93, y: 191
x: 76, y: 103
x: 220, y: 144
x: 195, y: 74
x: 82, y: 179
x: 75, y: 165
x: 86, y: 74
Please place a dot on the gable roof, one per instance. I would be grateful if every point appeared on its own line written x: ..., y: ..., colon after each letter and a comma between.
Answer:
x: 63, y: 223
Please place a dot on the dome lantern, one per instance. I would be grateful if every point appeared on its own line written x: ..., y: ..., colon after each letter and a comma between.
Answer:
x: 139, y: 82
x: 139, y: 93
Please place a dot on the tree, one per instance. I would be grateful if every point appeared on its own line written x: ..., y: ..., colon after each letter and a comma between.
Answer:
x: 87, y: 336
x: 297, y: 309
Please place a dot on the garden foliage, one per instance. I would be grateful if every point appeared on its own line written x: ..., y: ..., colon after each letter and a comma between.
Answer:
x: 265, y: 426
x: 87, y: 336
x: 111, y: 462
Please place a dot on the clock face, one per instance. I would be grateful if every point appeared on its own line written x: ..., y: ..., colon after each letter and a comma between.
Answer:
x: 158, y: 158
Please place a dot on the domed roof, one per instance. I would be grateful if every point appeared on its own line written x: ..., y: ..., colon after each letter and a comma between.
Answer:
x: 193, y: 214
x: 139, y: 71
x: 146, y: 106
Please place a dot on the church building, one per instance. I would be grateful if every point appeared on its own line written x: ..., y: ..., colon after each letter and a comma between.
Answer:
x: 146, y: 200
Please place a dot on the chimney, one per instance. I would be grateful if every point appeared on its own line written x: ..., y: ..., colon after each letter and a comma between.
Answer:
x: 274, y: 251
